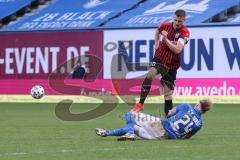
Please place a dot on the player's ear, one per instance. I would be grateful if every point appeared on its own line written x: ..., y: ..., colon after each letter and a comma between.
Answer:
x: 184, y: 19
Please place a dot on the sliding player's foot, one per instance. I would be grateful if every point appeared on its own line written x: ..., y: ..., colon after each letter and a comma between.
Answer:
x: 101, y: 132
x: 127, y: 136
x: 138, y: 107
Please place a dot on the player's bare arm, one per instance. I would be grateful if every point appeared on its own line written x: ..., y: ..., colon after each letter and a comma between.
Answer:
x: 156, y: 37
x: 176, y: 48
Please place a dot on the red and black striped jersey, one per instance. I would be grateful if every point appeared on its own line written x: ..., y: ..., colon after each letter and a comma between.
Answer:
x: 167, y: 57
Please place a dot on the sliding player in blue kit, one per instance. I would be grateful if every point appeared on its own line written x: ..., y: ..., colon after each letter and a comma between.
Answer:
x: 182, y: 122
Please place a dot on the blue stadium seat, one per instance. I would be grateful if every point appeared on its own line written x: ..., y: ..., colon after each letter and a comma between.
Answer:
x: 9, y: 7
x: 235, y: 19
x: 153, y: 12
x: 72, y: 14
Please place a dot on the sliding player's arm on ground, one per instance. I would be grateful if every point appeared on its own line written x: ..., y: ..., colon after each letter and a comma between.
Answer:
x: 189, y: 135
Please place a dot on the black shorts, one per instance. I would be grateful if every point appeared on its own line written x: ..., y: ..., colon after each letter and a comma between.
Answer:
x: 168, y: 75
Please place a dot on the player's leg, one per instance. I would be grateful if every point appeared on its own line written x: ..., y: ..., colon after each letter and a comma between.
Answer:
x: 150, y: 131
x: 146, y: 86
x: 130, y: 122
x: 168, y: 82
x: 142, y: 133
x: 155, y: 69
x: 138, y: 119
x: 101, y: 132
x: 146, y: 127
x: 129, y: 128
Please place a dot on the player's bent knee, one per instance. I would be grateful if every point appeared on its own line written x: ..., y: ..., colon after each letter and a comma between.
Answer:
x: 150, y: 75
x: 129, y: 117
x: 168, y: 96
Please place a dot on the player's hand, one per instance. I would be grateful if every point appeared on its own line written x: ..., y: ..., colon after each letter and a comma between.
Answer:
x: 164, y: 34
x: 172, y: 111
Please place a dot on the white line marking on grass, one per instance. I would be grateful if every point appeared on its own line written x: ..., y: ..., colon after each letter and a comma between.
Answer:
x: 209, y: 146
x: 135, y: 159
x: 12, y: 154
x: 109, y: 149
x: 59, y: 151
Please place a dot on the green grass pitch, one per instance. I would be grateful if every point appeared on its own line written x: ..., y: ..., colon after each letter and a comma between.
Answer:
x: 33, y: 132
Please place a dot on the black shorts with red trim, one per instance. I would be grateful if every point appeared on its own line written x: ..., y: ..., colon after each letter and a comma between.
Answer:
x: 168, y: 75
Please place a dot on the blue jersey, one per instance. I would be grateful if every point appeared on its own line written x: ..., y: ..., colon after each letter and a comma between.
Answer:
x: 185, y: 123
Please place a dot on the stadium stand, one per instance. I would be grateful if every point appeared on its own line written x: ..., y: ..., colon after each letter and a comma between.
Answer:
x: 8, y: 8
x: 226, y: 16
x: 73, y: 14
x: 236, y: 19
x: 11, y: 10
x: 233, y: 14
x: 153, y: 12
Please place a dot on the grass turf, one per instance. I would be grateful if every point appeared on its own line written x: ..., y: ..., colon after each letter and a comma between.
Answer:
x: 32, y: 131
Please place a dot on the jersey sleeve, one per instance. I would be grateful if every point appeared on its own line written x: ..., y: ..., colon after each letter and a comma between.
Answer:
x: 184, y: 37
x: 189, y: 135
x: 161, y: 28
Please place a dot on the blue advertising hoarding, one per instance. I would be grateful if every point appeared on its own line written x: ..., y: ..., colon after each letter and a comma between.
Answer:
x: 69, y: 14
x: 153, y: 12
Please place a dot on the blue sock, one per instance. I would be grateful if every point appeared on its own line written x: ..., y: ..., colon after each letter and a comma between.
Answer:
x: 130, y: 122
x: 121, y: 131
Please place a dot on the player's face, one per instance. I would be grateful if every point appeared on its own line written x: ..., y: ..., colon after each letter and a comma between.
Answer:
x: 178, y: 22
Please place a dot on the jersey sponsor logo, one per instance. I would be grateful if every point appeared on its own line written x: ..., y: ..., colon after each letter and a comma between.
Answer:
x: 177, y: 35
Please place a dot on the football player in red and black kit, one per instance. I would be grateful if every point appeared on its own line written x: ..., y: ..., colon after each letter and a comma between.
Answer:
x: 170, y: 38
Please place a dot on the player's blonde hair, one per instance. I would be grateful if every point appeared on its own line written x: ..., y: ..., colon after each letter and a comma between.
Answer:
x: 206, y: 104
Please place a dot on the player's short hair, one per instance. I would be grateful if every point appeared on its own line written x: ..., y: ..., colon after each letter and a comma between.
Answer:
x: 180, y: 13
x: 206, y: 104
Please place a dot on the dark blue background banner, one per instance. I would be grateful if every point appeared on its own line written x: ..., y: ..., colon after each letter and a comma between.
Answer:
x: 66, y: 14
x: 154, y: 12
x: 8, y: 7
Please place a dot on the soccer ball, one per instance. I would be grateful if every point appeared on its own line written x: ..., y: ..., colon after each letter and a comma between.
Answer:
x: 37, y: 92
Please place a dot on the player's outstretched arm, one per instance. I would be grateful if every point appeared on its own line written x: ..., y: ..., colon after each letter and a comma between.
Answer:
x: 189, y: 135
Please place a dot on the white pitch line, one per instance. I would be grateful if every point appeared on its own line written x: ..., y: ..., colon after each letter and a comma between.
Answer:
x: 12, y: 154
x: 209, y: 146
x: 60, y: 151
